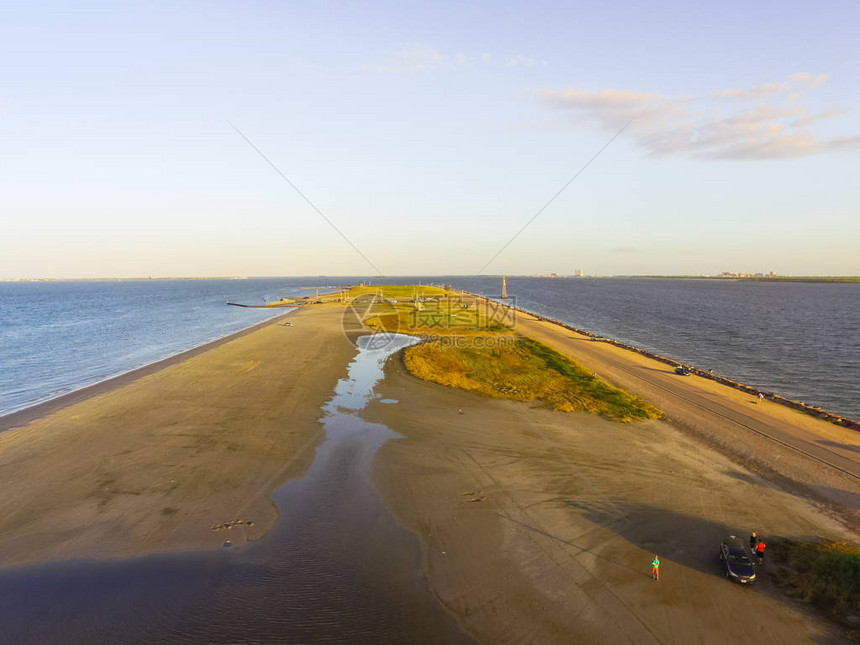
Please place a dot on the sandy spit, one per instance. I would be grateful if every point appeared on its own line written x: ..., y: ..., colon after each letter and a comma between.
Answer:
x: 148, y: 462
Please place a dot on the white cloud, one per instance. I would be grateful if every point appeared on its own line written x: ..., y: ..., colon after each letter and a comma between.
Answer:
x: 808, y: 119
x: 844, y: 143
x: 602, y: 98
x: 766, y: 121
x: 796, y: 85
x: 614, y: 108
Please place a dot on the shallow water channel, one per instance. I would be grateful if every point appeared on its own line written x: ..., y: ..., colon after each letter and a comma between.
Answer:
x: 337, y: 568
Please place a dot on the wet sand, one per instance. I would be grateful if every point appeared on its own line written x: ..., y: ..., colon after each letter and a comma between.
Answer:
x: 337, y: 568
x: 800, y: 453
x: 149, y: 462
x: 540, y: 526
x: 568, y: 508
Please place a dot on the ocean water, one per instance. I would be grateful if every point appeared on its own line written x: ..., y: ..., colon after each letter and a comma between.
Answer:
x: 57, y: 337
x: 800, y: 340
x: 340, y: 568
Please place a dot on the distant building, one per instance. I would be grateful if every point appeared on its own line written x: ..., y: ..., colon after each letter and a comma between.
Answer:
x: 578, y: 273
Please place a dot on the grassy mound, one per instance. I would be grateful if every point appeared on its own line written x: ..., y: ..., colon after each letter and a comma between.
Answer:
x: 524, y: 370
x: 825, y: 574
x: 429, y: 311
x: 397, y: 291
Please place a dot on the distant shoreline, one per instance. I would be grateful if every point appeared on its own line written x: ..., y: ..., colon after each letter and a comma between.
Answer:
x: 716, y: 278
x: 785, y: 278
x: 848, y: 279
x: 147, y: 279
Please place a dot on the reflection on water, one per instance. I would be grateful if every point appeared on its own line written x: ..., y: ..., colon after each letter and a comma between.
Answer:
x: 338, y: 567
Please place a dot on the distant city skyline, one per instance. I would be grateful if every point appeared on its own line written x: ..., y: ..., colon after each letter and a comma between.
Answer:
x: 424, y: 137
x: 383, y: 279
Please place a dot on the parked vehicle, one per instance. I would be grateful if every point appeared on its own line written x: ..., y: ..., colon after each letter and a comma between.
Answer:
x: 736, y: 560
x: 683, y: 371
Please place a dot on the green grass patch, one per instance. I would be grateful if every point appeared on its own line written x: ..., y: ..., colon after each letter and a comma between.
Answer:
x: 434, y: 318
x: 397, y: 291
x: 430, y: 310
x: 824, y: 574
x: 523, y: 369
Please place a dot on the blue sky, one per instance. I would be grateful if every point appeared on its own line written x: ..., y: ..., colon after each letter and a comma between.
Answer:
x: 428, y: 134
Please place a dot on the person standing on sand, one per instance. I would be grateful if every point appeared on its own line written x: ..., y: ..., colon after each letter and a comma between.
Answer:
x: 655, y: 567
x: 753, y: 541
x: 759, y: 552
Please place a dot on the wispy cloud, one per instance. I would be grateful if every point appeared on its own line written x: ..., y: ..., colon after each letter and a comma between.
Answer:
x: 766, y: 121
x: 410, y: 59
x: 421, y: 57
x: 796, y: 85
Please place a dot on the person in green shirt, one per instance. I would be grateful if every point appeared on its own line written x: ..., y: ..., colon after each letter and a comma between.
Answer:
x: 655, y: 567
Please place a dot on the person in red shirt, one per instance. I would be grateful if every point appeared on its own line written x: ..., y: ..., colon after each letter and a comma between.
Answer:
x: 759, y: 551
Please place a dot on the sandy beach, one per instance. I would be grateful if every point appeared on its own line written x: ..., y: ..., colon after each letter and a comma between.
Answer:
x: 150, y: 461
x: 539, y: 526
x: 536, y: 526
x: 798, y: 452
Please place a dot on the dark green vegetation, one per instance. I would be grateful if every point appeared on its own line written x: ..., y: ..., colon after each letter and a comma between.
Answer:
x: 823, y: 573
x: 524, y: 370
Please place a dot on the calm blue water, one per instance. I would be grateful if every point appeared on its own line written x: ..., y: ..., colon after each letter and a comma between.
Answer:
x: 800, y: 340
x: 56, y: 337
x: 299, y: 583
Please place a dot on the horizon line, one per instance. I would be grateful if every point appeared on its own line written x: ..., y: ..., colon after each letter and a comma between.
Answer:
x: 740, y: 276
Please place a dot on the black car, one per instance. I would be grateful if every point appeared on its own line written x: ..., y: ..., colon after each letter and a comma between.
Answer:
x: 736, y: 560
